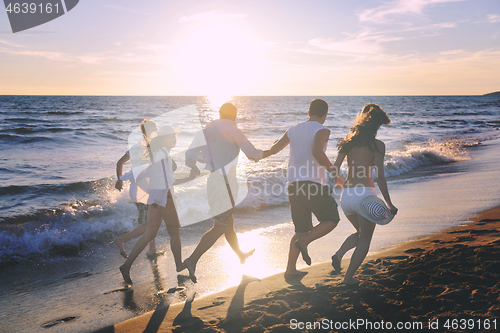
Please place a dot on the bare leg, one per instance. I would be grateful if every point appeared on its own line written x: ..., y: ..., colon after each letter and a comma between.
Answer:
x: 293, y: 255
x: 348, y: 244
x: 232, y: 239
x: 206, y: 242
x: 171, y: 219
x: 136, y: 232
x: 120, y: 241
x: 152, y: 247
x: 152, y: 226
x: 366, y: 229
x: 320, y: 230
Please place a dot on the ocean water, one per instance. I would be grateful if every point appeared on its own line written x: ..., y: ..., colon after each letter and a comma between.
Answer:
x: 59, y: 209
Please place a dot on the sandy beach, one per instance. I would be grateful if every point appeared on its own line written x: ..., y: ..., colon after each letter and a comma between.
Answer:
x: 444, y: 282
x: 105, y: 105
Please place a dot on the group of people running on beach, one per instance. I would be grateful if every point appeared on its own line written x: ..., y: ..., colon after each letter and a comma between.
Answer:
x: 218, y: 145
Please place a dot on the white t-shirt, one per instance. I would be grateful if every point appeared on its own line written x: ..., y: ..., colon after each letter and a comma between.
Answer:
x: 151, y: 182
x: 302, y: 165
x: 219, y: 144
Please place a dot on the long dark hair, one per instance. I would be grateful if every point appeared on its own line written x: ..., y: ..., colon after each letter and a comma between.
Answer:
x: 364, y: 131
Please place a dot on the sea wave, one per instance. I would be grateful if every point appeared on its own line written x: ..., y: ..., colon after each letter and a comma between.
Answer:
x: 66, y: 231
x: 432, y: 152
x: 268, y: 188
x: 61, y: 189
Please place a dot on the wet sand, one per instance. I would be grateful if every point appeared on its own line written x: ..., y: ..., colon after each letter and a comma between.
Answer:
x: 448, y: 281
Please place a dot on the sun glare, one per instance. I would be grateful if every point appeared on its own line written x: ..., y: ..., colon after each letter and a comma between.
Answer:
x: 218, y: 59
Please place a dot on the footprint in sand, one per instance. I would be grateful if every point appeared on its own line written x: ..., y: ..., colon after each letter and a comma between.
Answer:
x: 464, y: 239
x: 58, y: 321
x: 171, y: 290
x: 78, y: 274
x: 484, y: 231
x: 118, y: 290
x: 415, y: 250
x: 396, y: 258
x: 214, y: 304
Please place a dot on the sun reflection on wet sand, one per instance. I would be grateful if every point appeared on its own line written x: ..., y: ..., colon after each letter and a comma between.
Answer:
x: 262, y: 263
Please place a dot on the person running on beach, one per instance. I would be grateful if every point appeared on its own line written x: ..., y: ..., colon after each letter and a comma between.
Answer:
x: 219, y: 151
x: 147, y: 126
x: 364, y: 153
x: 154, y: 187
x: 308, y: 191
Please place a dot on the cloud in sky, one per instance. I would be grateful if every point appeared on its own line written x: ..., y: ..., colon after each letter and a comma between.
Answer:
x: 381, y: 13
x: 370, y: 41
x: 363, y: 43
x: 57, y: 56
x: 6, y: 42
x: 211, y: 15
x: 494, y: 18
x: 124, y: 9
x: 410, y: 42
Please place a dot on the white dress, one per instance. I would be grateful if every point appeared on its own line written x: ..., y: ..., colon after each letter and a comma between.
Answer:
x: 151, y: 183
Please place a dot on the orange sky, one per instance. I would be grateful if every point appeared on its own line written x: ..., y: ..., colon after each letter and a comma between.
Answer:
x: 422, y: 47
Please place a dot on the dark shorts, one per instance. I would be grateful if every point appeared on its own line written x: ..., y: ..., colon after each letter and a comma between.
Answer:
x: 307, y: 198
x: 143, y: 213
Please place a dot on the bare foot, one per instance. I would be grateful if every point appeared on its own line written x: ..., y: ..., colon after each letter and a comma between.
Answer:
x: 336, y: 264
x: 351, y: 281
x: 245, y: 255
x: 191, y: 268
x: 121, y: 246
x: 180, y: 267
x: 126, y: 275
x: 294, y: 274
x: 303, y: 250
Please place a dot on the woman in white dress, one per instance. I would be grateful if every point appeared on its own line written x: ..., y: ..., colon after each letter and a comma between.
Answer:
x: 154, y: 180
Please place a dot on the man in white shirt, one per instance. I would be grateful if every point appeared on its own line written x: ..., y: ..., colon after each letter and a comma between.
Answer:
x: 308, y: 191
x: 218, y: 147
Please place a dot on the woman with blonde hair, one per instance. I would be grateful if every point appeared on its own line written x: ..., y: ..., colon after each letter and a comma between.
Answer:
x: 365, y: 154
x: 147, y: 127
x: 155, y: 179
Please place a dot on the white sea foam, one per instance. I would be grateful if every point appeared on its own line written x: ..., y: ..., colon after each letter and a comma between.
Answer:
x: 80, y: 223
x: 416, y: 155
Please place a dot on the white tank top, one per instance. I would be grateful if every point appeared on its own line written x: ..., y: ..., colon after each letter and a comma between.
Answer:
x: 302, y: 165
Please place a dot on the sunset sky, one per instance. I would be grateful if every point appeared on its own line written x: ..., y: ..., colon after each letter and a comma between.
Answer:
x: 315, y: 48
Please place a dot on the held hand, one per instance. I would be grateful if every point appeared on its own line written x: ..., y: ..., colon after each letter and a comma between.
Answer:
x: 393, y: 209
x: 339, y: 181
x: 195, y: 172
x: 266, y: 154
x: 119, y: 184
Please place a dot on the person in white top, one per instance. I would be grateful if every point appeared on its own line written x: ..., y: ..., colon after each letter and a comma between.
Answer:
x: 154, y: 181
x: 147, y: 126
x: 218, y: 146
x: 308, y: 191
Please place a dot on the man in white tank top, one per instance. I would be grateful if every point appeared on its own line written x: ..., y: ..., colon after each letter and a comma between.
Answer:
x: 308, y: 191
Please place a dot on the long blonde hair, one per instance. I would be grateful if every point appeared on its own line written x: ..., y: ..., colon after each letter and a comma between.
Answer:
x: 147, y: 128
x: 363, y: 133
